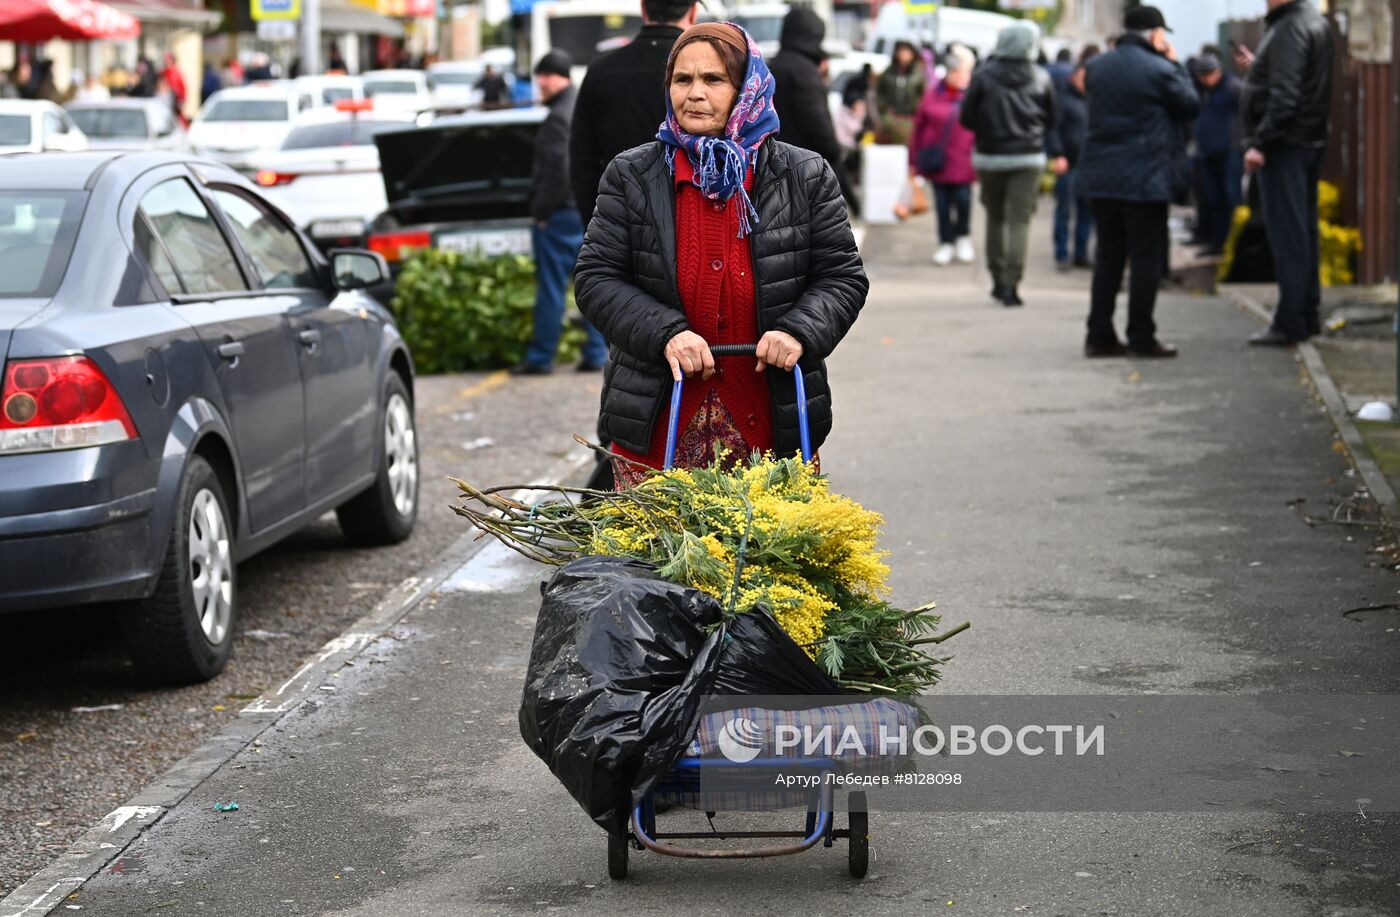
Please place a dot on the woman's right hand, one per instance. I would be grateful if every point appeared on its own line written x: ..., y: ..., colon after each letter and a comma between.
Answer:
x: 688, y: 354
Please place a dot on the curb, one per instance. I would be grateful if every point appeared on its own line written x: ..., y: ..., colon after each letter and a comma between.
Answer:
x: 1371, y: 474
x: 110, y: 837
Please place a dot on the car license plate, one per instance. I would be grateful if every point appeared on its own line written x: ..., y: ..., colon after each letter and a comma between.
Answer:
x: 337, y: 229
x: 487, y: 241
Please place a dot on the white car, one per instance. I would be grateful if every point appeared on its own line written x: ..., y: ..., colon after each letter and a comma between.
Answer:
x: 129, y: 124
x: 33, y: 126
x: 325, y: 91
x: 400, y: 90
x: 236, y: 122
x: 326, y: 175
x: 455, y: 82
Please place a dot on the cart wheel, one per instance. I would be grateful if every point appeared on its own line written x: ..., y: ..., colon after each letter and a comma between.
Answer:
x: 858, y: 853
x: 617, y: 857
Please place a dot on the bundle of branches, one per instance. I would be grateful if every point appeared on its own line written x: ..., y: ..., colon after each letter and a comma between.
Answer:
x: 767, y: 532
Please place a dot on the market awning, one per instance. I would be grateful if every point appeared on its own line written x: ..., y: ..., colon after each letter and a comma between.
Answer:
x: 186, y: 13
x: 68, y: 20
x: 336, y: 18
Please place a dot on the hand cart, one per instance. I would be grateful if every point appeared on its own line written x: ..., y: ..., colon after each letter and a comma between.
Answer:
x: 685, y: 776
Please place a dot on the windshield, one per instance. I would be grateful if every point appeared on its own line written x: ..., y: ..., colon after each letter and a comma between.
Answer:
x: 332, y: 94
x: 761, y: 28
x: 347, y: 133
x: 14, y: 130
x: 37, y: 229
x: 111, y: 122
x: 456, y: 78
x: 247, y: 110
x: 581, y: 35
x: 390, y: 87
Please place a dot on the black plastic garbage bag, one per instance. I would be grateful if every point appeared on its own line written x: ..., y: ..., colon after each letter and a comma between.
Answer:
x: 621, y: 663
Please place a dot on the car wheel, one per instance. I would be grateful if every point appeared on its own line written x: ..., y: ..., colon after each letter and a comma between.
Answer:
x: 183, y: 633
x: 385, y: 513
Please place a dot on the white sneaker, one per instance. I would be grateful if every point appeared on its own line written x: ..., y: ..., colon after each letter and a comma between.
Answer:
x: 966, y: 254
x: 944, y: 255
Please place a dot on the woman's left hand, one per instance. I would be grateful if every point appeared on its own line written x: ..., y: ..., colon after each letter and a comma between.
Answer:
x: 780, y: 349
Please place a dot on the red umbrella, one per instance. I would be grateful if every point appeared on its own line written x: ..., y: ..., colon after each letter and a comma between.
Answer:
x: 69, y: 20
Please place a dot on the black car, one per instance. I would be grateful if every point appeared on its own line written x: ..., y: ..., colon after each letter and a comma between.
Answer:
x: 461, y: 184
x: 185, y: 380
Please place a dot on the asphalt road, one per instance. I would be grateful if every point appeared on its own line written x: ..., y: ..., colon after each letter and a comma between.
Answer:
x: 62, y: 770
x: 1108, y: 527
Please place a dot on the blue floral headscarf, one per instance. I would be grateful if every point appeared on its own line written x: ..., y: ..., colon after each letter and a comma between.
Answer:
x: 721, y: 163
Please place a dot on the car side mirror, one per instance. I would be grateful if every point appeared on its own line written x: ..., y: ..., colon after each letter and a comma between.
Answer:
x: 355, y: 268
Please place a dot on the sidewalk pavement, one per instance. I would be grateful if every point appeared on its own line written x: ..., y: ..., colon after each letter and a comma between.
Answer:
x: 1109, y: 527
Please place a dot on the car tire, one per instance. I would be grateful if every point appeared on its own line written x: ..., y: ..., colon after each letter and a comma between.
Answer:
x: 386, y: 512
x: 183, y: 633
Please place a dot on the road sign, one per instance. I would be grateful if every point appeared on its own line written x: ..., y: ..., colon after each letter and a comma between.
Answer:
x: 277, y: 30
x: 275, y: 10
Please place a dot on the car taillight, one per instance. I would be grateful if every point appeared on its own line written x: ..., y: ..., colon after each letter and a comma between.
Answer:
x: 267, y: 178
x: 60, y: 403
x: 396, y: 246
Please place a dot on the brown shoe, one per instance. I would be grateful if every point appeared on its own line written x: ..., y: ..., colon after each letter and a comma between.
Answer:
x: 1157, y: 350
x: 1111, y: 349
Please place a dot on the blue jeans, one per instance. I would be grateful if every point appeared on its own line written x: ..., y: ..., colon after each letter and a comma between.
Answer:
x: 953, y: 205
x: 556, y: 252
x: 1083, y: 221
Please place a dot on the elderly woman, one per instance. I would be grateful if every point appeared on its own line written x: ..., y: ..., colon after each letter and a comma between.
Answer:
x: 717, y: 234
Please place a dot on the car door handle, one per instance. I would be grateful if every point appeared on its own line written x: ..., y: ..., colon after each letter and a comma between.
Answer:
x: 231, y: 350
x: 309, y: 338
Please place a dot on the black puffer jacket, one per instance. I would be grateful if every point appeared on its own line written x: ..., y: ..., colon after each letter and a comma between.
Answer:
x: 808, y: 277
x: 1287, y: 94
x: 1138, y: 104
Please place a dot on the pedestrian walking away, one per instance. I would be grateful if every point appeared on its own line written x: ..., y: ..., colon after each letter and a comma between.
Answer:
x: 1285, y: 105
x: 1072, y: 210
x: 558, y: 230
x: 717, y: 233
x: 1218, y: 162
x: 1139, y: 99
x: 800, y: 94
x: 618, y: 105
x: 1010, y: 106
x: 940, y: 150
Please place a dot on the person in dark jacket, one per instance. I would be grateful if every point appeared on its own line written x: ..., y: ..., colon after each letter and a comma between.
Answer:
x: 898, y: 93
x: 1010, y: 106
x: 618, y: 105
x: 558, y: 231
x: 1285, y: 105
x: 210, y: 83
x: 800, y: 93
x: 494, y: 91
x: 1218, y: 162
x: 1139, y: 98
x: 1073, y: 130
x: 717, y: 233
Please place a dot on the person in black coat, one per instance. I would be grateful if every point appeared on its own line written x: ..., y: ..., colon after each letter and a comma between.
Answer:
x: 558, y: 231
x: 807, y: 285
x: 1286, y: 104
x: 801, y: 94
x: 1139, y: 99
x: 1073, y: 129
x: 1218, y: 162
x: 618, y: 105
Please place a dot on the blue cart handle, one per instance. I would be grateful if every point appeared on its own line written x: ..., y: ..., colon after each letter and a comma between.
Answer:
x: 738, y: 350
